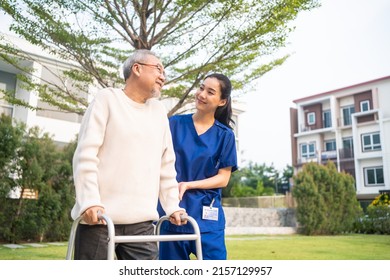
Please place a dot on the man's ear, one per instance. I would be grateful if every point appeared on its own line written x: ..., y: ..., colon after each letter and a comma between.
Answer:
x: 136, y: 69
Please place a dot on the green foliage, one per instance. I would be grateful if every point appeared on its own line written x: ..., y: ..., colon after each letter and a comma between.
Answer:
x: 256, y: 180
x: 241, y: 190
x: 376, y: 221
x: 32, y: 162
x: 326, y: 200
x: 192, y: 38
x: 377, y: 218
x: 381, y: 200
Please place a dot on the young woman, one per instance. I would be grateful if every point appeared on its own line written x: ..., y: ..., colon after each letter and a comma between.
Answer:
x: 205, y: 150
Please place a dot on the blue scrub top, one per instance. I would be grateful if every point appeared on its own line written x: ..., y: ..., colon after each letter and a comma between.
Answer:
x: 199, y: 157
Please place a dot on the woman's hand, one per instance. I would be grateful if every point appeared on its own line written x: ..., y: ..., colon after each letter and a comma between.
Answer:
x: 217, y: 181
x: 183, y: 186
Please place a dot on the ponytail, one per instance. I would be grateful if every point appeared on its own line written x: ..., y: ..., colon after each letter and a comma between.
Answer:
x: 224, y: 113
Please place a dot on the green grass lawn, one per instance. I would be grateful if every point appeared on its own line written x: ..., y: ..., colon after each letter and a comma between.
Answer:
x: 260, y: 247
x: 299, y: 247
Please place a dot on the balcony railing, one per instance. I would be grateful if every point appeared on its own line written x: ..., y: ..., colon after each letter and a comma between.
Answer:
x: 326, y: 155
x: 304, y: 128
x: 346, y: 153
x: 304, y: 160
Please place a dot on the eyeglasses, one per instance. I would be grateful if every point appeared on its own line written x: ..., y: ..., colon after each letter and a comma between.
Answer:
x: 157, y: 66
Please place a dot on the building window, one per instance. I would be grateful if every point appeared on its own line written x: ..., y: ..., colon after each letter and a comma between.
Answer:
x: 347, y: 112
x: 348, y: 143
x: 311, y: 118
x: 308, y: 150
x: 371, y: 142
x: 365, y: 106
x: 327, y: 118
x: 330, y: 145
x: 6, y: 110
x: 347, y: 151
x: 373, y: 176
x: 7, y: 83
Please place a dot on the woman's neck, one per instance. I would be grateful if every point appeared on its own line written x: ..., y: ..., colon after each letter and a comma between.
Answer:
x: 202, y: 122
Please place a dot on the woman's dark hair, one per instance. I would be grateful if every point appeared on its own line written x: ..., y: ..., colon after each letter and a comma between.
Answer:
x: 224, y: 113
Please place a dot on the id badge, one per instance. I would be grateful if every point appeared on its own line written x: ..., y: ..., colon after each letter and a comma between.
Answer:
x: 210, y: 213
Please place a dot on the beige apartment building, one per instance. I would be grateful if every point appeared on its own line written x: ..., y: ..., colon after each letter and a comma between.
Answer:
x: 351, y: 127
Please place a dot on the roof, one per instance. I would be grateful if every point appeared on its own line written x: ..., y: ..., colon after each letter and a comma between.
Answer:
x: 32, y: 50
x: 339, y: 89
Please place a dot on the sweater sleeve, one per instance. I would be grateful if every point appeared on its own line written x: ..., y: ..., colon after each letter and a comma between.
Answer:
x: 85, y: 158
x: 169, y: 191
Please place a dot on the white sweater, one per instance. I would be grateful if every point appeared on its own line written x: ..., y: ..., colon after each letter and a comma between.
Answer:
x: 124, y: 160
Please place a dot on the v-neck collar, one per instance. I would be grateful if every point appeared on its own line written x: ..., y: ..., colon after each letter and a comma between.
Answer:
x: 194, y: 128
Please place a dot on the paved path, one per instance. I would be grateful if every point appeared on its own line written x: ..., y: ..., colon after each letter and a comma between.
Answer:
x: 36, y: 245
x: 260, y: 230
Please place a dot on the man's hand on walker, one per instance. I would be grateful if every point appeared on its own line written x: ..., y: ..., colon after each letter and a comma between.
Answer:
x: 178, y: 218
x: 92, y: 215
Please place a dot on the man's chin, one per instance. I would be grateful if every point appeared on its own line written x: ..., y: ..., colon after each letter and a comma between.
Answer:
x: 156, y: 94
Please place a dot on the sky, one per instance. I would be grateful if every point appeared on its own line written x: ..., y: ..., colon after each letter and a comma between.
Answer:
x: 341, y: 43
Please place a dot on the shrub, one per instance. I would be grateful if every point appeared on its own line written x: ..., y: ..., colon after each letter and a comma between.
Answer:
x: 326, y: 200
x: 377, y: 218
x: 32, y: 161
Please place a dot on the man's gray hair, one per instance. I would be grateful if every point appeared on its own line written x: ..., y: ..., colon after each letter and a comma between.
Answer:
x: 138, y: 56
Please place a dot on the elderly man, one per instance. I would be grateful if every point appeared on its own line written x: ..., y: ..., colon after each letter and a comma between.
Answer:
x: 124, y: 163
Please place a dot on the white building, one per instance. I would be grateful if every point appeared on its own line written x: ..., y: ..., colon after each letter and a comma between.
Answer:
x: 62, y: 126
x: 351, y: 127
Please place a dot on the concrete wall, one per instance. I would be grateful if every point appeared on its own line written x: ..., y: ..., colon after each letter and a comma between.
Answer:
x: 272, y: 201
x: 260, y: 220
